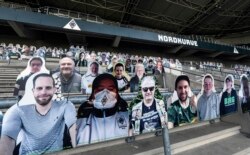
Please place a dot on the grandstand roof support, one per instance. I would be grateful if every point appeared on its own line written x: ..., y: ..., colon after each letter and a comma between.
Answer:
x: 239, y: 57
x: 187, y: 53
x: 187, y: 4
x: 213, y: 55
x: 116, y: 41
x: 174, y: 49
x: 237, y: 39
x: 20, y: 30
x: 200, y: 16
x: 146, y: 14
x: 241, y: 16
x: 128, y: 10
x: 33, y: 3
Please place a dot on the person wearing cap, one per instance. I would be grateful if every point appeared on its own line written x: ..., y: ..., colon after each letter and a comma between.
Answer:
x: 150, y: 113
x: 208, y: 101
x: 183, y: 110
x: 42, y: 121
x: 104, y: 116
x: 229, y: 98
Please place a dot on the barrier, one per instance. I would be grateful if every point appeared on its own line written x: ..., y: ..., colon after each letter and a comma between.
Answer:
x: 76, y: 99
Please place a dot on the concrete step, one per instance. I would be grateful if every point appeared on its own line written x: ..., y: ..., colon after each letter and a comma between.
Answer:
x: 12, y: 71
x: 8, y: 80
x: 182, y: 139
x: 52, y: 60
x: 22, y: 65
x: 4, y: 72
x: 12, y: 77
x: 6, y: 90
x: 6, y: 95
x: 197, y: 140
x: 7, y: 75
x: 235, y: 145
x: 243, y: 152
x: 7, y: 85
x: 9, y: 69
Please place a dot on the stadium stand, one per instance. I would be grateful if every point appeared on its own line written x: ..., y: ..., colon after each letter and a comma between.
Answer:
x: 184, y: 37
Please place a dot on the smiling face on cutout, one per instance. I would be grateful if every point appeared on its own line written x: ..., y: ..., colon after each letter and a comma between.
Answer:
x: 43, y: 90
x: 182, y: 90
x: 208, y: 85
x: 148, y: 89
x: 66, y: 66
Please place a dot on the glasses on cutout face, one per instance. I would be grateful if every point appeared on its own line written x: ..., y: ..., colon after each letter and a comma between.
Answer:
x: 145, y: 89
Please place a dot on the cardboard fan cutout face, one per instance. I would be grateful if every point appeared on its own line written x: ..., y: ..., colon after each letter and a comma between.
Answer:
x: 228, y: 97
x: 244, y: 93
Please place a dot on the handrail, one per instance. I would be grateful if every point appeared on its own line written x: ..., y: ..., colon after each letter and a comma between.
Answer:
x: 196, y: 74
x: 78, y: 98
x: 214, y: 70
x: 15, y: 6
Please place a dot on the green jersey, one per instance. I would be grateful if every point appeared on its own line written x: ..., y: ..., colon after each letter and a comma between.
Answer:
x: 179, y: 115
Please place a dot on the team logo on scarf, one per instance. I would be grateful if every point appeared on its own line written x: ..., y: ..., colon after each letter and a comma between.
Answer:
x: 121, y: 121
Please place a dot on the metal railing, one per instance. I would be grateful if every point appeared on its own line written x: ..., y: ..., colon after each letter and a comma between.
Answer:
x: 77, y: 99
x: 71, y: 14
x: 15, y: 6
x: 204, y: 72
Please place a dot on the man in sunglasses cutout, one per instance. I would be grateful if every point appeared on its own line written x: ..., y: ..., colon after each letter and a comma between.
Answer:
x: 149, y: 114
x: 183, y: 110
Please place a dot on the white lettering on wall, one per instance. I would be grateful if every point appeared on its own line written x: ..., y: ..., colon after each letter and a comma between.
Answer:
x: 169, y: 39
